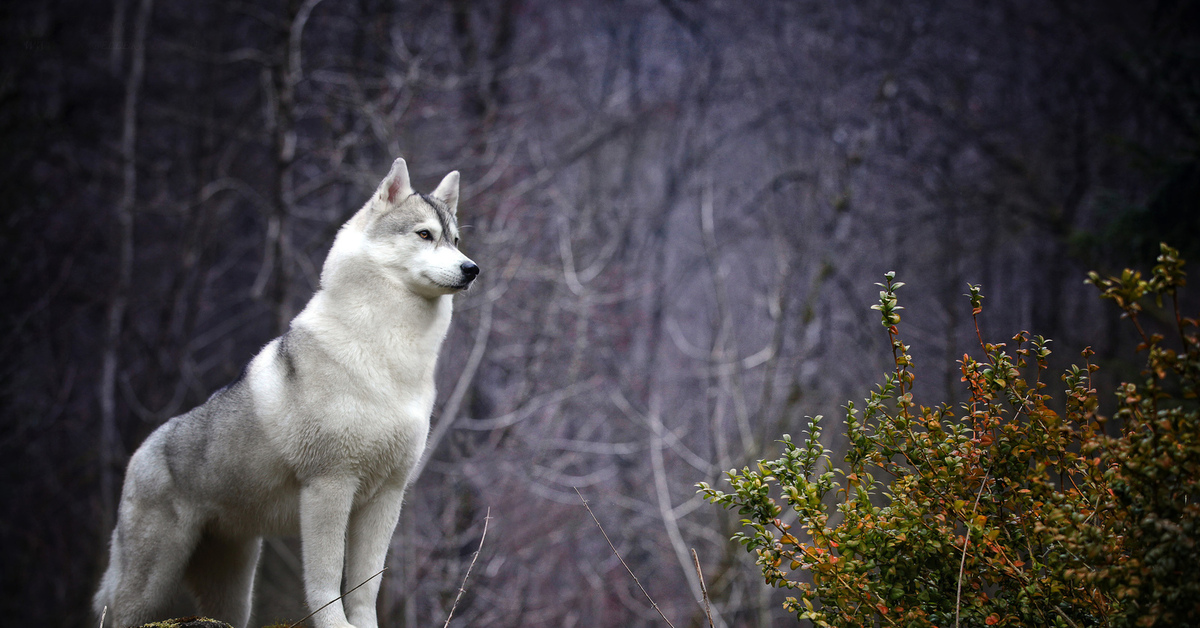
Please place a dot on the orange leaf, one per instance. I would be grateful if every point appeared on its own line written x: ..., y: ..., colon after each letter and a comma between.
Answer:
x: 992, y: 619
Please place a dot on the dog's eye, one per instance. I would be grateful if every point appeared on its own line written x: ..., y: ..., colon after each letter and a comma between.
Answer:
x: 456, y: 241
x: 425, y: 235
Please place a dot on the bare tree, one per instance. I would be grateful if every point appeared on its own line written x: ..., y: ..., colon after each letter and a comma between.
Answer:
x: 110, y: 441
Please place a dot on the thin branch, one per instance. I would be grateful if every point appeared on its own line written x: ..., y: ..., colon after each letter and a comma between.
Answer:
x: 724, y: 344
x: 295, y: 32
x: 462, y: 589
x: 669, y: 437
x: 1069, y: 621
x: 466, y: 378
x: 966, y: 541
x: 665, y: 508
x: 110, y: 441
x: 703, y: 588
x: 618, y: 555
x: 525, y: 409
x: 302, y: 619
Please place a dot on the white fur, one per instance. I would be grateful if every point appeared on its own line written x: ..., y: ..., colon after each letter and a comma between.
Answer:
x: 317, y: 439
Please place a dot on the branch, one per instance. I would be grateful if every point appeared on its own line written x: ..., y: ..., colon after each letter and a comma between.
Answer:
x: 110, y: 441
x: 703, y: 589
x: 465, y: 379
x: 295, y: 31
x: 967, y: 541
x: 323, y: 606
x: 618, y: 555
x: 462, y: 589
x: 665, y: 508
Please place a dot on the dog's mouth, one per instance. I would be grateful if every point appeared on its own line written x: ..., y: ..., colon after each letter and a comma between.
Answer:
x: 462, y: 285
x: 462, y: 280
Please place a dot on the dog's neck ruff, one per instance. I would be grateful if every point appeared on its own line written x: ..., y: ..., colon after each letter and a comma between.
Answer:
x: 380, y: 308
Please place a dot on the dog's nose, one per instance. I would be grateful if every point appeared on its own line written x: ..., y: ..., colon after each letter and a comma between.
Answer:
x: 469, y: 270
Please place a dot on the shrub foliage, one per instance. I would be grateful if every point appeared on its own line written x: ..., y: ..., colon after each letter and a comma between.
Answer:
x: 1013, y: 509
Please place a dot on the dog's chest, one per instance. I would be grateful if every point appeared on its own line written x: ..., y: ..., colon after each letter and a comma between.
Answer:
x: 352, y: 387
x: 355, y: 410
x: 378, y: 414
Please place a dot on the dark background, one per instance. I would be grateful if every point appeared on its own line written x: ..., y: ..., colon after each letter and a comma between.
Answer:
x: 680, y: 208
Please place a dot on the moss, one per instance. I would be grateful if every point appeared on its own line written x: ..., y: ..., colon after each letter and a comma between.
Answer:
x: 201, y: 622
x: 187, y: 622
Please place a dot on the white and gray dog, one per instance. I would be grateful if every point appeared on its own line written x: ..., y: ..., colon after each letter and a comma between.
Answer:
x: 317, y: 438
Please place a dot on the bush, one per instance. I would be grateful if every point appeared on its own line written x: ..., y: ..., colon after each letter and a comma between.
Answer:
x: 1001, y: 512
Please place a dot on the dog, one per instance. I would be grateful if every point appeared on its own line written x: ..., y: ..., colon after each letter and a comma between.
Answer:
x: 316, y: 438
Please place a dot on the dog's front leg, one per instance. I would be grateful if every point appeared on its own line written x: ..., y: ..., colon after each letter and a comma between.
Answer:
x: 371, y: 528
x: 325, y: 504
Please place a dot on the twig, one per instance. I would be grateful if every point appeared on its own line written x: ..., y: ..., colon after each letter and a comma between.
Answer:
x: 703, y: 589
x: 102, y: 614
x: 337, y: 598
x: 966, y: 541
x: 462, y: 589
x: 618, y: 555
x: 449, y: 413
x: 1064, y: 616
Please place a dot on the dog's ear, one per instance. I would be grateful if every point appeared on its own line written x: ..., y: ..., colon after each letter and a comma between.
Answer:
x: 396, y: 185
x: 447, y: 191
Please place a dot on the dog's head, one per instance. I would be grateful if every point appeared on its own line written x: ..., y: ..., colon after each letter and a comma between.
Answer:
x: 411, y: 237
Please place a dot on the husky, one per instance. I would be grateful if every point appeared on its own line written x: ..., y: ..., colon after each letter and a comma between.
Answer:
x: 316, y: 438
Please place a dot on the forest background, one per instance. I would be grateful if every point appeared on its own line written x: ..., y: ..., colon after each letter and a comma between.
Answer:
x: 680, y: 208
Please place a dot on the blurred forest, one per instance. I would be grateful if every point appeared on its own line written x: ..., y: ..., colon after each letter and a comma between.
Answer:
x: 680, y: 208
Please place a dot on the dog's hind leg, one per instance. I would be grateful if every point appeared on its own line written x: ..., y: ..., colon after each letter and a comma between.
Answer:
x: 221, y: 576
x: 153, y: 543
